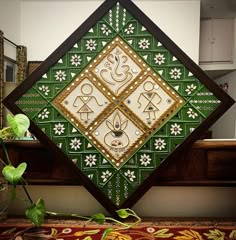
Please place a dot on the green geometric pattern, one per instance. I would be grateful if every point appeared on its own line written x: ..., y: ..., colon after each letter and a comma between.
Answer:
x: 118, y: 184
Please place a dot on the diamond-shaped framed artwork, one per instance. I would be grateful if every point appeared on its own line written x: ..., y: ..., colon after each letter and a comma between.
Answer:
x: 116, y: 100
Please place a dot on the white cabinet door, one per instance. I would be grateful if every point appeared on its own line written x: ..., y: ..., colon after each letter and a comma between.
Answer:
x: 216, y: 40
x: 223, y: 35
x: 205, y: 41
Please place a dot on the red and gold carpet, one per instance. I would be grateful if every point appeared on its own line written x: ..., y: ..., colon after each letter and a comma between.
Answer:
x: 148, y: 230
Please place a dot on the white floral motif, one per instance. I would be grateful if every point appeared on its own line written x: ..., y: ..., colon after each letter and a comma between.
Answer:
x: 44, y: 114
x: 105, y: 175
x: 90, y: 160
x: 91, y: 44
x: 59, y: 128
x: 75, y: 60
x: 191, y: 113
x: 190, y: 89
x: 44, y: 89
x: 129, y: 29
x: 175, y: 73
x: 130, y: 175
x: 175, y: 129
x: 105, y: 30
x: 159, y: 59
x: 60, y: 75
x: 75, y: 144
x: 144, y: 43
x: 145, y: 160
x: 160, y: 144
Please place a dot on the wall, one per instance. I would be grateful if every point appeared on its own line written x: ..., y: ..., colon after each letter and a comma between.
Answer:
x: 157, y: 202
x: 44, y: 26
x: 225, y: 127
x: 10, y: 25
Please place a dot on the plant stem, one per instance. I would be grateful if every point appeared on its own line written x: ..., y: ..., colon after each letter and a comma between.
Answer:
x: 23, y: 200
x: 9, y: 162
x: 125, y: 225
x: 133, y: 213
x: 5, y: 151
x: 117, y: 221
x: 2, y: 187
x: 68, y: 215
x: 3, y: 162
x: 27, y: 194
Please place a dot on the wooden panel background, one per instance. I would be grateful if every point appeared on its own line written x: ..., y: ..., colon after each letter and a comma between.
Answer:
x: 205, y: 163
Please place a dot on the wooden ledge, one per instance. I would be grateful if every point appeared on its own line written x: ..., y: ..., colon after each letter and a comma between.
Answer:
x: 204, y: 163
x: 214, y: 143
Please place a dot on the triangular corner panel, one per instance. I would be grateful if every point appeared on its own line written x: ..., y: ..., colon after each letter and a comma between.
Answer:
x: 116, y: 100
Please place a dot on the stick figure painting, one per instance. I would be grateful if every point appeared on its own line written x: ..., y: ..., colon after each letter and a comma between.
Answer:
x: 150, y: 101
x: 83, y: 102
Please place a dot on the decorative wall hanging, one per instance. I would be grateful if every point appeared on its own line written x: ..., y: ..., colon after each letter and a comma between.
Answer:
x: 32, y: 65
x: 116, y: 100
x: 21, y: 59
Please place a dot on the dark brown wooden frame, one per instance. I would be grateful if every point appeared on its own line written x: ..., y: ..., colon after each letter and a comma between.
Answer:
x: 226, y: 101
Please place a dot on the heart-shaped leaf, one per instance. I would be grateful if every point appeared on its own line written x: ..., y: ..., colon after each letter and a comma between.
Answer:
x: 106, y: 232
x: 19, y: 124
x: 36, y: 213
x: 122, y: 213
x: 99, y: 218
x: 12, y: 174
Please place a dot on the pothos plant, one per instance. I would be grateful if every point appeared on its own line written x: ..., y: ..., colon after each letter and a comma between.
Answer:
x: 36, y: 210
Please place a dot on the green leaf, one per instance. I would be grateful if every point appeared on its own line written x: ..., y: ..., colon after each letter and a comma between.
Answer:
x: 36, y: 213
x: 106, y: 232
x: 99, y: 218
x: 122, y: 213
x: 19, y: 124
x: 12, y: 174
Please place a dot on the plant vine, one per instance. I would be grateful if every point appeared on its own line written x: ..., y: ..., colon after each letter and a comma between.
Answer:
x: 36, y: 211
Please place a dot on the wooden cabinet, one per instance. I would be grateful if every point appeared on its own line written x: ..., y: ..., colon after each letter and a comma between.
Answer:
x: 216, y: 41
x: 205, y: 163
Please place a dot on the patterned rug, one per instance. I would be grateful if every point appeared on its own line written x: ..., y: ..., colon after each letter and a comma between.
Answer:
x: 73, y: 230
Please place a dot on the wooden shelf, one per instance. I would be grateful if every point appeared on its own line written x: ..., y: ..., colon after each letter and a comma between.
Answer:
x: 214, y: 144
x: 205, y: 163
